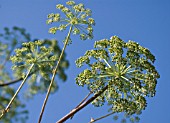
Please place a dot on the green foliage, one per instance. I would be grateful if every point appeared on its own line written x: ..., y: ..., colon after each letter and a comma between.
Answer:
x: 127, y: 69
x: 76, y: 15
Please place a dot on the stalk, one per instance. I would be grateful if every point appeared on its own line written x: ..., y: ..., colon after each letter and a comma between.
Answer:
x: 12, y: 99
x: 54, y: 74
x: 94, y: 120
x: 77, y: 109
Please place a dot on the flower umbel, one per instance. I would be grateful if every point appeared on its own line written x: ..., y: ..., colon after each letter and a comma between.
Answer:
x: 33, y: 53
x: 76, y: 15
x: 126, y: 68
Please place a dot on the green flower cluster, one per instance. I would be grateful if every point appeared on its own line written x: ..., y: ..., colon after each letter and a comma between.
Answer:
x: 126, y: 68
x: 31, y: 53
x: 75, y: 15
x: 43, y: 59
x: 39, y: 78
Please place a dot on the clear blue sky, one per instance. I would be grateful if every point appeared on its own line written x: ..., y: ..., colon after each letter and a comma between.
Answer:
x: 144, y: 21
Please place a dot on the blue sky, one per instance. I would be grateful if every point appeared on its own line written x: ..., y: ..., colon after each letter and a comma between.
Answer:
x: 144, y: 21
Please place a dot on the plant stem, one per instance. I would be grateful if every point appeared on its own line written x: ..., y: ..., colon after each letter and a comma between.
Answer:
x: 54, y: 74
x: 85, y: 98
x: 12, y: 99
x: 74, y: 111
x: 94, y: 120
x: 11, y: 82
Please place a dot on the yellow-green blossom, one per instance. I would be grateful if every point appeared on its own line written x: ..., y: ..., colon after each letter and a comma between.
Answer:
x: 125, y: 68
x: 76, y: 15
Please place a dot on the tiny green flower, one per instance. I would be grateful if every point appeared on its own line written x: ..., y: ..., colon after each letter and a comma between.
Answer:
x: 49, y: 21
x: 59, y: 6
x: 70, y: 3
x: 50, y: 15
x: 76, y: 31
x: 83, y: 36
x: 91, y: 21
x: 76, y: 15
x: 62, y: 27
x: 53, y: 30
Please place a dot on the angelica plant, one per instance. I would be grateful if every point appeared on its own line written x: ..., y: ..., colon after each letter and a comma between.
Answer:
x: 120, y: 74
x: 76, y: 17
x: 28, y: 56
x: 39, y: 78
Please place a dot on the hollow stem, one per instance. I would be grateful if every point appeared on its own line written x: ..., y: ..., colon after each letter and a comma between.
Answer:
x: 12, y: 99
x: 54, y: 74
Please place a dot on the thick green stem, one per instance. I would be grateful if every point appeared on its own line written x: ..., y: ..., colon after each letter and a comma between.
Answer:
x: 54, y: 74
x: 12, y: 99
